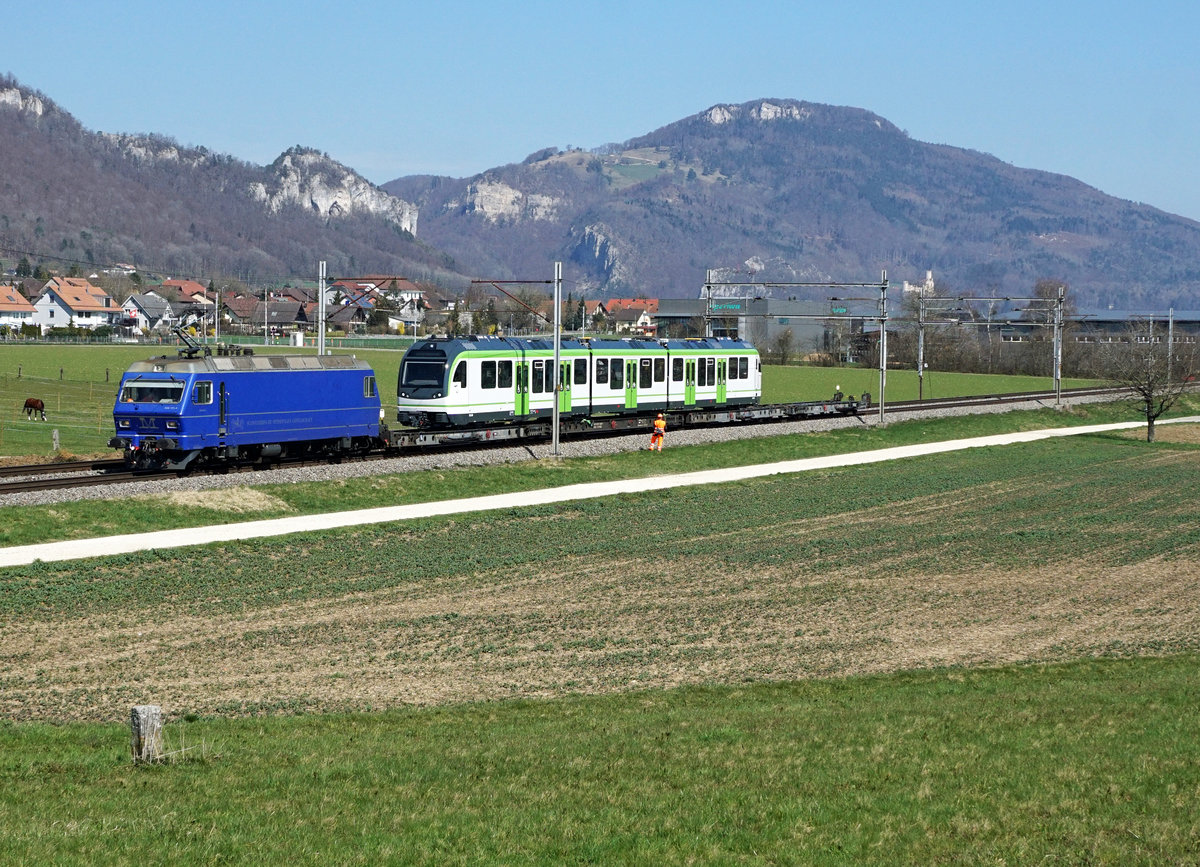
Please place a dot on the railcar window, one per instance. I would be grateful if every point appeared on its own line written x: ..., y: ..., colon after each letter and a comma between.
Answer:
x: 581, y: 371
x: 536, y: 378
x: 676, y: 370
x: 617, y: 381
x: 660, y: 369
x: 743, y: 367
x: 487, y: 374
x: 417, y: 373
x: 711, y: 364
x: 460, y: 374
x: 368, y: 386
x: 601, y: 371
x: 202, y: 393
x: 645, y: 373
x: 701, y: 372
x: 504, y: 371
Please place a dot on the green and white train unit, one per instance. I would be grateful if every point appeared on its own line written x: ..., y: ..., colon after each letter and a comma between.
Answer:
x: 504, y: 387
x: 466, y: 382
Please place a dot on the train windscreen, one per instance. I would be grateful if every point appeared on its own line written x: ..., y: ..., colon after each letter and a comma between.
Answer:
x: 417, y: 372
x: 145, y: 391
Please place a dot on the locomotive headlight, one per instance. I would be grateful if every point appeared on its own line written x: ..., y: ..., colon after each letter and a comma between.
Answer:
x: 172, y: 425
x: 124, y: 423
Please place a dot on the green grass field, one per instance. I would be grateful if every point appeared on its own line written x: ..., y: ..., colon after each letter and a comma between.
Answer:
x: 1084, y: 763
x: 982, y: 657
x: 79, y: 384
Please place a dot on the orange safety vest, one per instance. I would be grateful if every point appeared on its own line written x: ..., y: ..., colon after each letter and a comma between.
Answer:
x: 660, y: 426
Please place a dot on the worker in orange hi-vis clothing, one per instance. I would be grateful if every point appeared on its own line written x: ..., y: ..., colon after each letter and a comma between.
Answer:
x: 656, y: 438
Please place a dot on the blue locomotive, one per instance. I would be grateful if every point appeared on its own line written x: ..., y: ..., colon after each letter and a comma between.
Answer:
x: 235, y: 407
x: 477, y: 380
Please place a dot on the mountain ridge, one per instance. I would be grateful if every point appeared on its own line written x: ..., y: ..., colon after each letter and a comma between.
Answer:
x: 789, y: 190
x: 769, y: 190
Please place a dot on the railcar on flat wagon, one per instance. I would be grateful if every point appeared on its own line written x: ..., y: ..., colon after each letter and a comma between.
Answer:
x: 479, y: 380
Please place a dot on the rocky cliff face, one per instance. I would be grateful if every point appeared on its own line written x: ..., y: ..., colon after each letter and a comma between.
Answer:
x: 494, y: 200
x: 21, y: 100
x: 314, y: 181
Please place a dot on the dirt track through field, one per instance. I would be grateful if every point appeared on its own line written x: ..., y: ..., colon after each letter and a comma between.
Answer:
x: 589, y: 627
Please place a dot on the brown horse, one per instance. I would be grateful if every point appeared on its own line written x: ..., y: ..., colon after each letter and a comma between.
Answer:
x: 35, y: 404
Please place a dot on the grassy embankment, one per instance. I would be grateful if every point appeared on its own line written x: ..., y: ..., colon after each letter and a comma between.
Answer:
x: 971, y: 658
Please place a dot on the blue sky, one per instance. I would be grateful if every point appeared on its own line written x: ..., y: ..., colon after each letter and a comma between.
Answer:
x: 1105, y: 92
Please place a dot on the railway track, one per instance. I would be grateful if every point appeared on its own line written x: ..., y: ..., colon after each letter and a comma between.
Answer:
x: 58, y: 476
x: 1047, y: 396
x: 77, y: 474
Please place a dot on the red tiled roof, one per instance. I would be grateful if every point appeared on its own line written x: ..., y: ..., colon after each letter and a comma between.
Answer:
x: 12, y: 301
x: 650, y: 305
x: 187, y: 287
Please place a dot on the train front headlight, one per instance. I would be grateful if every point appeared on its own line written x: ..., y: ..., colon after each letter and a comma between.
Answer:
x: 172, y: 425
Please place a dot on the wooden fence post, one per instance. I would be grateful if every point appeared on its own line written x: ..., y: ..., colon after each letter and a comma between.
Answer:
x: 145, y: 723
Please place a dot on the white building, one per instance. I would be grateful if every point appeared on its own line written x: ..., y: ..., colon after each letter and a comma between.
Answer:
x: 15, y: 309
x: 66, y: 301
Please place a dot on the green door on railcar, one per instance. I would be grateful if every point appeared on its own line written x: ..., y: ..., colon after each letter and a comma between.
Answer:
x: 522, y: 389
x: 721, y: 362
x: 564, y: 387
x: 689, y: 382
x: 631, y: 392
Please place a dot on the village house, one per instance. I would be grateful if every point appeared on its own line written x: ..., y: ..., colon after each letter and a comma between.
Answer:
x: 635, y: 316
x: 74, y: 301
x: 189, y: 290
x: 15, y: 309
x: 149, y: 311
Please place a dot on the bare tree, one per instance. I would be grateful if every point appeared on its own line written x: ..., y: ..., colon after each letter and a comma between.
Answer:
x: 783, y: 346
x: 1155, y: 375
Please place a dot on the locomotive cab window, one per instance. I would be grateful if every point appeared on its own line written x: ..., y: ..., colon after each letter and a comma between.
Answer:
x: 202, y: 393
x: 417, y: 373
x: 152, y: 392
x: 460, y: 374
x: 487, y: 374
x: 368, y: 386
